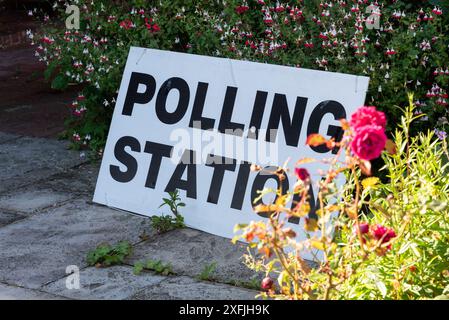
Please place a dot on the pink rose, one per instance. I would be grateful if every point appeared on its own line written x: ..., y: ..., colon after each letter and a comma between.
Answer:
x: 363, y: 227
x: 368, y: 116
x: 267, y: 284
x: 368, y: 142
x: 384, y: 233
x: 302, y: 174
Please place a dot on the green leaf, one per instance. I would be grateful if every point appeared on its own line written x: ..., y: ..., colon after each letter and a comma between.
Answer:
x: 415, y: 250
x: 240, y: 226
x: 442, y: 297
x: 138, y: 268
x: 59, y: 83
x: 49, y: 71
x: 404, y: 247
x: 382, y: 288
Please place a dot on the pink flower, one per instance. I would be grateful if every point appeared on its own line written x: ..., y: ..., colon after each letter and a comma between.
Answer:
x: 390, y: 52
x: 126, y: 24
x: 363, y: 227
x: 366, y: 116
x: 156, y: 28
x: 152, y: 27
x: 368, y: 142
x: 267, y: 284
x: 437, y: 11
x: 242, y: 9
x: 308, y: 45
x: 47, y: 40
x: 302, y: 174
x: 384, y: 233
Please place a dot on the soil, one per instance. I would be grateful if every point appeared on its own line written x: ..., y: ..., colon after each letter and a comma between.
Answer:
x: 28, y: 105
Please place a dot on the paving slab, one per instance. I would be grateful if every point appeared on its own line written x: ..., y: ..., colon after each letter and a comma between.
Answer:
x: 114, y: 283
x: 37, y: 250
x: 80, y: 180
x: 119, y: 283
x: 189, y: 251
x: 17, y: 293
x: 26, y: 160
x: 9, y: 217
x: 32, y: 199
x: 4, y: 137
x: 186, y: 288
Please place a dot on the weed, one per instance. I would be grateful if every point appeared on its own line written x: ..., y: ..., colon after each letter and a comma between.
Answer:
x: 166, y: 223
x: 174, y: 202
x: 156, y: 266
x: 253, y: 284
x: 106, y: 255
x: 208, y: 270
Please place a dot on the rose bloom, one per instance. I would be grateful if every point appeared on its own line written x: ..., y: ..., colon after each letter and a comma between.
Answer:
x: 365, y: 116
x: 364, y: 228
x: 369, y: 142
x: 381, y: 232
x: 267, y: 283
x: 302, y: 174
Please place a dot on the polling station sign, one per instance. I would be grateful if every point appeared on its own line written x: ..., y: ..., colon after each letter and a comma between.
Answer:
x: 197, y: 124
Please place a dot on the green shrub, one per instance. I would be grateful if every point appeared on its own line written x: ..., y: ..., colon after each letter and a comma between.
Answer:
x: 308, y: 34
x: 389, y: 240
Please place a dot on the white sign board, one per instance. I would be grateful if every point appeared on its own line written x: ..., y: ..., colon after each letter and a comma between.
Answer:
x: 178, y: 115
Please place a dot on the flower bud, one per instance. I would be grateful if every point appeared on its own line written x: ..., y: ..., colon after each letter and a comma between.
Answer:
x: 267, y: 283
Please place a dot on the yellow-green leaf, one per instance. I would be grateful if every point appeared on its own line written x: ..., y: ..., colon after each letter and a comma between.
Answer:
x: 370, y: 182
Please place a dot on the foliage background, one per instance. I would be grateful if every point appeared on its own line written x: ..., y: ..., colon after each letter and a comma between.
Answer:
x: 96, y: 54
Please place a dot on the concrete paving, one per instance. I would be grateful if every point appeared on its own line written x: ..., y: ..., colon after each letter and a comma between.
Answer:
x: 186, y: 288
x: 17, y: 293
x: 48, y: 222
x: 4, y: 137
x: 191, y: 251
x: 26, y: 160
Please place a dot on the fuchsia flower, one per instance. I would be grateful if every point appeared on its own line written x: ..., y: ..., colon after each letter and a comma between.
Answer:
x: 390, y: 52
x: 279, y: 8
x: 355, y: 8
x: 47, y: 40
x: 76, y: 137
x: 242, y: 9
x: 126, y: 24
x: 323, y: 36
x: 156, y: 28
x: 152, y: 27
x: 437, y: 11
x: 308, y: 45
x: 268, y: 20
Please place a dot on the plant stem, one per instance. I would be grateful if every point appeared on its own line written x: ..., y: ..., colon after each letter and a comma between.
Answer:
x: 356, y: 205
